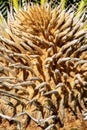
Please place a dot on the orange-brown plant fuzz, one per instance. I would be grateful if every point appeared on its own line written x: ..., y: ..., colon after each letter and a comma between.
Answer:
x: 43, y: 67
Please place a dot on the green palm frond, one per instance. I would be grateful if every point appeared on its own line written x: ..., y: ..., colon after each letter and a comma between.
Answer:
x: 36, y: 1
x: 64, y: 3
x: 3, y: 7
x: 15, y: 4
x: 81, y: 6
x: 42, y: 1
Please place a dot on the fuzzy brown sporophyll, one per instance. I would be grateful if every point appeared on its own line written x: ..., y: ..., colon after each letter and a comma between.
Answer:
x: 43, y: 66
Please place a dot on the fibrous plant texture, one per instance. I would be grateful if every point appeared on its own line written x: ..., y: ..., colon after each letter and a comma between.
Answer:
x: 43, y: 66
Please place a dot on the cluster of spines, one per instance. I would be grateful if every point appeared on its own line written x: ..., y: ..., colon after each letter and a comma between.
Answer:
x: 50, y: 72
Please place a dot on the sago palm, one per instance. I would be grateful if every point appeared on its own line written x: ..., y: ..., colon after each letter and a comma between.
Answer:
x: 43, y: 67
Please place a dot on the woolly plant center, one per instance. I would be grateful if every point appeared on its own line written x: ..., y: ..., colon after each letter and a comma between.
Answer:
x: 55, y: 39
x: 49, y: 59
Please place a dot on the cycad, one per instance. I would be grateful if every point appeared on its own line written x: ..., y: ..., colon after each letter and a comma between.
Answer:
x: 43, y: 66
